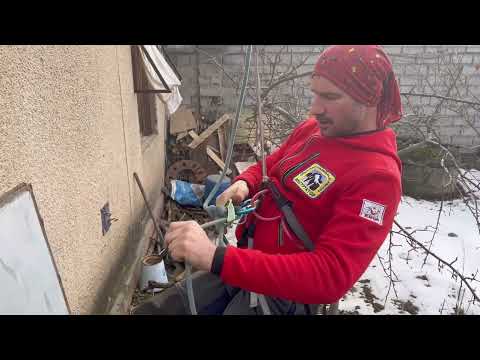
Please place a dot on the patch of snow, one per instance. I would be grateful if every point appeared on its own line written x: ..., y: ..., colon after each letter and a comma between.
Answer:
x: 428, y: 287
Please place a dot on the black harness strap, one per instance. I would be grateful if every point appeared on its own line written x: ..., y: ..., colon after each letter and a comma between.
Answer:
x: 285, y: 207
x: 248, y: 232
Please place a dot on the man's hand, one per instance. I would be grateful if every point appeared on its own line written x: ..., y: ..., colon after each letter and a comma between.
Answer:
x: 238, y: 192
x: 187, y: 241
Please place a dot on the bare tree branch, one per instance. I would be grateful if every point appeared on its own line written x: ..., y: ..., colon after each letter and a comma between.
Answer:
x: 283, y: 112
x: 434, y: 233
x: 282, y: 80
x: 473, y: 103
x: 411, y: 148
x: 449, y: 265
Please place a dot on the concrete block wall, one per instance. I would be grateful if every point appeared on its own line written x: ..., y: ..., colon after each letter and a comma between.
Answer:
x: 429, y: 69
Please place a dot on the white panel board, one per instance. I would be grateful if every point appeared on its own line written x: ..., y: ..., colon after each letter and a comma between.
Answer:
x: 29, y: 283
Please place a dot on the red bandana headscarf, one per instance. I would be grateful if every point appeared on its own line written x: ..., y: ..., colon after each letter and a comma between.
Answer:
x: 365, y: 73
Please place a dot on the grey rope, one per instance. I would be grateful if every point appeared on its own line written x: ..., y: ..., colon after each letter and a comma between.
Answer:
x: 233, y: 132
x: 188, y: 267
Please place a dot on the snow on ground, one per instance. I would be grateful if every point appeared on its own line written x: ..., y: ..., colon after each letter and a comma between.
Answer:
x: 428, y: 289
x: 423, y: 290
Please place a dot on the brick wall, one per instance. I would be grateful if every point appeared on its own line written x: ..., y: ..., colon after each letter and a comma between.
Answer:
x: 430, y: 69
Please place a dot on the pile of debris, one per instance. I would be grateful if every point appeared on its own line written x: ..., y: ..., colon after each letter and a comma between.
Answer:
x: 197, y: 148
x: 196, y: 154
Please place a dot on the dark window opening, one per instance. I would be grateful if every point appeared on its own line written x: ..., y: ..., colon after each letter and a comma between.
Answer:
x: 147, y: 115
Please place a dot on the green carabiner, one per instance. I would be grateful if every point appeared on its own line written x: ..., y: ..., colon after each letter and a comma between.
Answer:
x: 230, y: 212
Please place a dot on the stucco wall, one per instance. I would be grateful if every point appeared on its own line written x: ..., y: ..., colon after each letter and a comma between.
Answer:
x: 69, y: 126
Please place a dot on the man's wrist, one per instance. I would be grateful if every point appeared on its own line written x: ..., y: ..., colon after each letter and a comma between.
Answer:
x: 217, y: 262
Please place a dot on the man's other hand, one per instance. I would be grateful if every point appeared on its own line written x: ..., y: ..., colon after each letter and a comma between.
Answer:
x: 238, y: 192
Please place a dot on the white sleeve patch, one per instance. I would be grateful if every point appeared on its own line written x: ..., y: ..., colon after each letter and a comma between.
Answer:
x: 372, y: 211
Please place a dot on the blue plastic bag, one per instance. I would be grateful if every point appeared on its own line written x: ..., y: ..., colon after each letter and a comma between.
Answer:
x: 210, y: 183
x: 187, y: 194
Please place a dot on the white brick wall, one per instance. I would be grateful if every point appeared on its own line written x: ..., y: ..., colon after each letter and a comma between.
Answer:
x: 414, y: 65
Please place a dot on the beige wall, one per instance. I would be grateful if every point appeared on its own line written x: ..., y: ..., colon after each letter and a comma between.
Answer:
x: 69, y: 126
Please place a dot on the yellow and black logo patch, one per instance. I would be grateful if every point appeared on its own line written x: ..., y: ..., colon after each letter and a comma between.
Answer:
x: 314, y: 180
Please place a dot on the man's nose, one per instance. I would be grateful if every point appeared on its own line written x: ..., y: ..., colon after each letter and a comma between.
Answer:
x: 317, y: 107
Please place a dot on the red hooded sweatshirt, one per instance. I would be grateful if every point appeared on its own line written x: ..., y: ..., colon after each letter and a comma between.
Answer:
x: 345, y: 192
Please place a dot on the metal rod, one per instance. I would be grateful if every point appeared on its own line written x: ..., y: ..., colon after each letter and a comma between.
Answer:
x: 164, y: 83
x: 234, y: 129
x: 159, y: 233
x: 169, y: 61
x: 259, y: 121
x: 190, y: 295
x: 152, y: 91
x: 213, y: 222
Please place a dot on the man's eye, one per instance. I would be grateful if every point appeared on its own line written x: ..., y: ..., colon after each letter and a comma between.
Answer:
x: 326, y: 96
x: 331, y: 97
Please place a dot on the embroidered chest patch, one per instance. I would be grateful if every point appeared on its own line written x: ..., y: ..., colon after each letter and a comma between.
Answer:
x: 372, y: 211
x: 314, y: 180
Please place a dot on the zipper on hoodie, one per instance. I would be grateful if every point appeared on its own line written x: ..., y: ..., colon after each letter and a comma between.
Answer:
x: 280, y: 234
x: 295, y: 167
x: 298, y: 153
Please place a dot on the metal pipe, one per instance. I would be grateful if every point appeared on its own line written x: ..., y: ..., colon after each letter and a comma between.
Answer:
x: 213, y: 222
x: 259, y: 121
x: 233, y: 132
x: 188, y: 271
x: 190, y: 296
x: 157, y: 229
x: 234, y: 128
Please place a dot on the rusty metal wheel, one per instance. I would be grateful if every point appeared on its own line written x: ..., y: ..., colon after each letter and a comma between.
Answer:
x: 187, y: 170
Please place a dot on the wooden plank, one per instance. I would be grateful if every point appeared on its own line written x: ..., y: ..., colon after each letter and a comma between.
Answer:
x: 182, y: 120
x: 221, y: 141
x: 193, y: 135
x: 211, y: 129
x: 217, y: 160
x: 182, y: 135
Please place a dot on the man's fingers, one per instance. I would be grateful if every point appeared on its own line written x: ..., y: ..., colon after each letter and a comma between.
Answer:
x: 231, y: 193
x: 236, y: 199
x: 222, y: 200
x: 175, y: 230
x: 175, y: 246
x: 179, y: 230
x: 179, y: 224
x: 225, y: 196
x: 176, y: 254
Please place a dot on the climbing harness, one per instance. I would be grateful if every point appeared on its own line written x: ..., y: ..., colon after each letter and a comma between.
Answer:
x: 225, y: 217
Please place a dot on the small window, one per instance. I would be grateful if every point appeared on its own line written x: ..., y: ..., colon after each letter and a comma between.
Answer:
x: 154, y: 75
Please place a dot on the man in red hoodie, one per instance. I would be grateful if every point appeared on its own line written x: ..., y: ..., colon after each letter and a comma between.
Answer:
x: 341, y: 176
